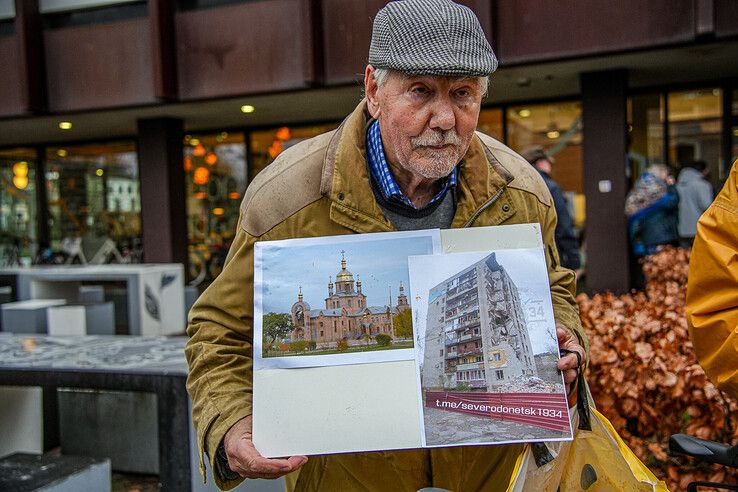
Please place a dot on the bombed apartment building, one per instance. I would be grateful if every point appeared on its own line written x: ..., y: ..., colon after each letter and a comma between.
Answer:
x: 476, y: 336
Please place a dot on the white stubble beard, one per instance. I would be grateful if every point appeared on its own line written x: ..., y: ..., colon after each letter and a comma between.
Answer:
x: 437, y: 163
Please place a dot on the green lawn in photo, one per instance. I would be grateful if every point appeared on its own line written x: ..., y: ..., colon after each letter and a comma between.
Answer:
x: 396, y: 344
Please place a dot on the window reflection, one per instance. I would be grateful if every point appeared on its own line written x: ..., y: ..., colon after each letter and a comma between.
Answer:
x: 215, y: 176
x: 694, y: 129
x: 266, y: 145
x: 94, y: 201
x: 645, y: 134
x: 490, y: 123
x: 17, y: 206
x: 557, y: 127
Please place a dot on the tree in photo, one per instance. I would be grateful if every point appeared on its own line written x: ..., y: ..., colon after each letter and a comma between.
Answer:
x: 276, y: 327
x: 403, y: 324
x: 383, y: 340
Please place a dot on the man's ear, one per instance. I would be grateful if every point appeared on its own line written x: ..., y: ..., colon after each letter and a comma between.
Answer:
x: 370, y: 89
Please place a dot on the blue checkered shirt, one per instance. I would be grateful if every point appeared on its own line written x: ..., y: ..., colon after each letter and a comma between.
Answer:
x: 383, y: 176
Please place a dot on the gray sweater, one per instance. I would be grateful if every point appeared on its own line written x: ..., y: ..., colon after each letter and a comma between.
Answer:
x: 695, y: 195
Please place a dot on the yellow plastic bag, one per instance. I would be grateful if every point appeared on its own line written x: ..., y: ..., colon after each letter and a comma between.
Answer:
x: 596, y: 460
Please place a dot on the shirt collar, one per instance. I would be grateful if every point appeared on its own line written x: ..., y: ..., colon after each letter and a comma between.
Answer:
x: 383, y: 176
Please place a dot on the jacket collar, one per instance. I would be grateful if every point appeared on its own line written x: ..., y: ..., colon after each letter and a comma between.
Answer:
x: 345, y: 181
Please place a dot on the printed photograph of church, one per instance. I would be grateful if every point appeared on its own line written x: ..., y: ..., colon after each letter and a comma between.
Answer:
x: 344, y: 296
x: 346, y: 315
x: 345, y: 322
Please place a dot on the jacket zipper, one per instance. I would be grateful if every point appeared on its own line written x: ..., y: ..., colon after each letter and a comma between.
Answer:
x: 484, y: 207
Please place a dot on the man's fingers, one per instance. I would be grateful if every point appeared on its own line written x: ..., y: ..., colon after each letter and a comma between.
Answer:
x: 297, y: 461
x: 563, y: 334
x: 569, y: 361
x: 570, y: 375
x: 256, y: 466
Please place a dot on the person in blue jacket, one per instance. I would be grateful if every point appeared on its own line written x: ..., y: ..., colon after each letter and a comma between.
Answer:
x: 652, y: 208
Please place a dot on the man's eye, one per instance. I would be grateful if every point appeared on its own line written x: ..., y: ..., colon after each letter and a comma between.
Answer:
x: 462, y: 93
x: 419, y: 90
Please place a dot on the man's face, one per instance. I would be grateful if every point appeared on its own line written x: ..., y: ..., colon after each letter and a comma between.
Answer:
x: 426, y: 122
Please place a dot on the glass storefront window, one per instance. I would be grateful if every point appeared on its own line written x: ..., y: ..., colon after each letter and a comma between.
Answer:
x: 558, y: 128
x: 490, y: 123
x: 94, y: 201
x: 645, y: 133
x: 694, y: 129
x: 215, y: 177
x: 266, y: 145
x: 17, y: 206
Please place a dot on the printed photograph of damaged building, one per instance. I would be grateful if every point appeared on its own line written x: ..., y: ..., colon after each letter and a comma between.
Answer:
x: 482, y: 379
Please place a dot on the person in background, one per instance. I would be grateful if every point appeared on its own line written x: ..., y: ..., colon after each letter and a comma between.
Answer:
x: 695, y: 195
x: 566, y: 239
x: 652, y: 208
x: 712, y: 289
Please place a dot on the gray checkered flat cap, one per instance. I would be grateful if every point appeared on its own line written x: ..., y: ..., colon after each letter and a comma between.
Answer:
x: 430, y: 37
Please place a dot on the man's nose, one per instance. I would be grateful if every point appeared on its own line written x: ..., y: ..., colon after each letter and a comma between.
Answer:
x: 442, y: 117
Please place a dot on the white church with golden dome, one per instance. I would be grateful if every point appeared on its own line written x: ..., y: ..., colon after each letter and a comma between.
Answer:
x: 346, y: 315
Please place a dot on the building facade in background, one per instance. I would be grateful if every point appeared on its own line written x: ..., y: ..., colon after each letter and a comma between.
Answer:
x: 144, y: 121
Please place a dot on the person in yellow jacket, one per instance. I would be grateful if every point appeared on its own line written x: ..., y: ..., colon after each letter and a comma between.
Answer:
x: 408, y: 157
x: 712, y: 288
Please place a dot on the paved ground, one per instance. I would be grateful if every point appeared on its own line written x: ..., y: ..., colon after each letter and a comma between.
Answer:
x: 443, y: 427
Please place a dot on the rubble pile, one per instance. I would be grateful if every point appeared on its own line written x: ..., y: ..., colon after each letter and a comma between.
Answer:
x: 644, y: 374
x: 529, y: 384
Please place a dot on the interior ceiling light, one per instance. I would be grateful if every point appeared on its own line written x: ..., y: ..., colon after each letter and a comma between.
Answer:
x: 194, y: 141
x: 21, y: 168
x: 247, y: 108
x: 62, y: 152
x: 20, y: 182
x: 65, y: 125
x: 553, y: 129
x: 524, y: 113
x: 99, y: 172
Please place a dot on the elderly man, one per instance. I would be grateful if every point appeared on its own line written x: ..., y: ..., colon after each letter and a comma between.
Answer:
x: 407, y: 158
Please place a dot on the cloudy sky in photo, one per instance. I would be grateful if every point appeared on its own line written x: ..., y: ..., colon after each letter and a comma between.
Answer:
x: 526, y: 267
x: 380, y: 263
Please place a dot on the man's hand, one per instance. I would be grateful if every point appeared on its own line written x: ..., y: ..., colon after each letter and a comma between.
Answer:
x: 244, y: 459
x: 569, y: 364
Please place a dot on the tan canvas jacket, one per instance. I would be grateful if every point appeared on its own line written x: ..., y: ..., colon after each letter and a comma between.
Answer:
x: 320, y: 187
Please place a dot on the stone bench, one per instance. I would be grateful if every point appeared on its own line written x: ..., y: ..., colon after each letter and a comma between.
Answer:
x: 56, y: 317
x: 23, y: 472
x: 28, y: 317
